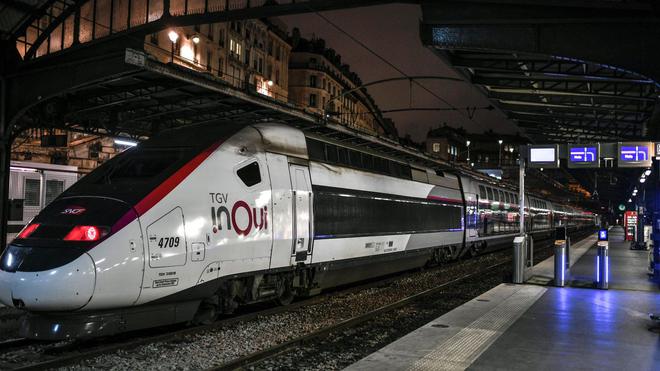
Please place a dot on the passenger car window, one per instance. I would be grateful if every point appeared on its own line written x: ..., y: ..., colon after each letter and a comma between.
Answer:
x: 490, y: 194
x: 482, y: 192
x: 250, y: 174
x: 502, y: 196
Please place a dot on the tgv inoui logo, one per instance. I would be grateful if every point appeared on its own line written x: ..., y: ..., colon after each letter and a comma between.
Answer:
x: 634, y: 153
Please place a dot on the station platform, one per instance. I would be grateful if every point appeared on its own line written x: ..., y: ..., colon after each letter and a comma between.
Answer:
x: 532, y: 326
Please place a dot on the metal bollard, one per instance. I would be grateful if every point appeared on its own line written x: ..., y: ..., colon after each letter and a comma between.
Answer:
x: 519, y: 259
x: 568, y: 253
x: 602, y: 265
x: 560, y: 262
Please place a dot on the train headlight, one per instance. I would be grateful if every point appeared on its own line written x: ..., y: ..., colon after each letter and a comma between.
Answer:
x: 12, y: 258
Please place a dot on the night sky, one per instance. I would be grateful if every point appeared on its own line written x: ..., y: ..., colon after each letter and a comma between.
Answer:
x: 393, y: 32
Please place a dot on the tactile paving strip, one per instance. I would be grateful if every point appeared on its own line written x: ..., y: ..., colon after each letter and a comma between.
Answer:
x: 459, y: 351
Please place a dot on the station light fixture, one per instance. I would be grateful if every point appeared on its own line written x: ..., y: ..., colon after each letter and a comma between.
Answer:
x: 173, y: 36
x: 124, y: 142
x: 630, y: 200
x: 647, y: 172
x: 500, y: 141
x: 642, y: 179
x: 195, y: 39
x: 467, y: 143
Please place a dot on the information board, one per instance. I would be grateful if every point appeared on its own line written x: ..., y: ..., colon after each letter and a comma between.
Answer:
x: 583, y: 155
x: 545, y: 155
x: 634, y: 154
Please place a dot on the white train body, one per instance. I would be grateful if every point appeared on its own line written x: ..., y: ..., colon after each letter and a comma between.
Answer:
x: 164, y: 231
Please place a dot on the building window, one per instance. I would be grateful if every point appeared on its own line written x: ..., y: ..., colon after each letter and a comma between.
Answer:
x: 312, y: 81
x: 208, y: 61
x: 436, y: 147
x: 154, y: 38
x: 221, y: 38
x: 221, y: 66
x: 235, y: 48
x: 31, y: 192
x: 53, y: 189
x: 278, y: 52
x: 197, y: 28
x: 312, y: 100
x: 261, y: 65
x: 277, y: 77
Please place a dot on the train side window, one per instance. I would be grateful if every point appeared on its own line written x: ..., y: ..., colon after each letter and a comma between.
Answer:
x: 31, y: 192
x: 356, y: 159
x: 250, y: 174
x: 342, y: 155
x: 367, y: 162
x: 490, y: 193
x: 502, y: 198
x: 331, y: 152
x: 316, y: 149
x: 53, y: 189
x: 482, y: 192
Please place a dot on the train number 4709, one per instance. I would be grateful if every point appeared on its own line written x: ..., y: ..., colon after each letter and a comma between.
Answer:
x: 166, y: 242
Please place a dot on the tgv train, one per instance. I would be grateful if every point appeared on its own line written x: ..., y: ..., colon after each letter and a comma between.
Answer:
x: 196, y: 222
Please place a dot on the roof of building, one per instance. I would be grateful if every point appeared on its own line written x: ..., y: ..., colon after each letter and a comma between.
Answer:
x: 15, y: 13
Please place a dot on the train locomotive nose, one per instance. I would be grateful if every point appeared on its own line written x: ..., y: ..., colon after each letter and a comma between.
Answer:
x: 66, y: 287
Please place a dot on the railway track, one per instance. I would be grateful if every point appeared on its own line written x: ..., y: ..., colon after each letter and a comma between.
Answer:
x: 261, y: 355
x: 69, y: 353
x: 253, y: 361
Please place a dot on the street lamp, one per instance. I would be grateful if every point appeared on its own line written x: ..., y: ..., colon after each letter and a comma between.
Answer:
x: 173, y: 38
x: 270, y: 83
x: 500, y: 157
x: 467, y: 144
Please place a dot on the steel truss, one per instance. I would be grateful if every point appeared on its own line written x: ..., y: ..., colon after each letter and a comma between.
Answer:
x: 560, y: 99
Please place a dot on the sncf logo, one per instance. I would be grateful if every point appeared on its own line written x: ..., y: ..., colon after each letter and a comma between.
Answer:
x: 74, y: 210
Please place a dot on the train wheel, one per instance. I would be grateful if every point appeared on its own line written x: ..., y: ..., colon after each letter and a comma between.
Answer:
x: 206, y: 314
x: 286, y: 295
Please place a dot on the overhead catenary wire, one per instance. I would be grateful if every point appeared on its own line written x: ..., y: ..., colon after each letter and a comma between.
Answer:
x: 387, y: 62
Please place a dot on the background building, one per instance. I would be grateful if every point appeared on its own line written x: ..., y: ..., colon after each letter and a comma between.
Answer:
x: 251, y: 54
x: 317, y: 78
x: 58, y: 147
x: 487, y: 150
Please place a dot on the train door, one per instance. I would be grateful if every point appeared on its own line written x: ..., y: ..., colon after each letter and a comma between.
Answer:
x: 471, y: 215
x: 301, y: 187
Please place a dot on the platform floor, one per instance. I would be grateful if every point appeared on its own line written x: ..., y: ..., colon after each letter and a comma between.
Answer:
x: 532, y: 327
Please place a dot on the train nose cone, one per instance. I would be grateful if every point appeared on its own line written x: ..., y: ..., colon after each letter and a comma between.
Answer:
x: 67, y: 287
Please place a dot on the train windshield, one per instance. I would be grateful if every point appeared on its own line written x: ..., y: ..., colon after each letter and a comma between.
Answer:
x: 133, y: 174
x: 141, y: 165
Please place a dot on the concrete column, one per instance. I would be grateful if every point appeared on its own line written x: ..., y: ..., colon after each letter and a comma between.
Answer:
x: 5, y: 156
x: 655, y: 230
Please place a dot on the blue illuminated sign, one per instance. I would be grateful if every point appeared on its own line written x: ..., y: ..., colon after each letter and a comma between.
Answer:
x: 634, y: 153
x: 602, y: 235
x: 584, y: 154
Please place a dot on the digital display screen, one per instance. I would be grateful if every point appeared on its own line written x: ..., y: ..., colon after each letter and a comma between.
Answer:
x: 634, y: 153
x: 602, y: 235
x: 583, y: 154
x: 542, y: 155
